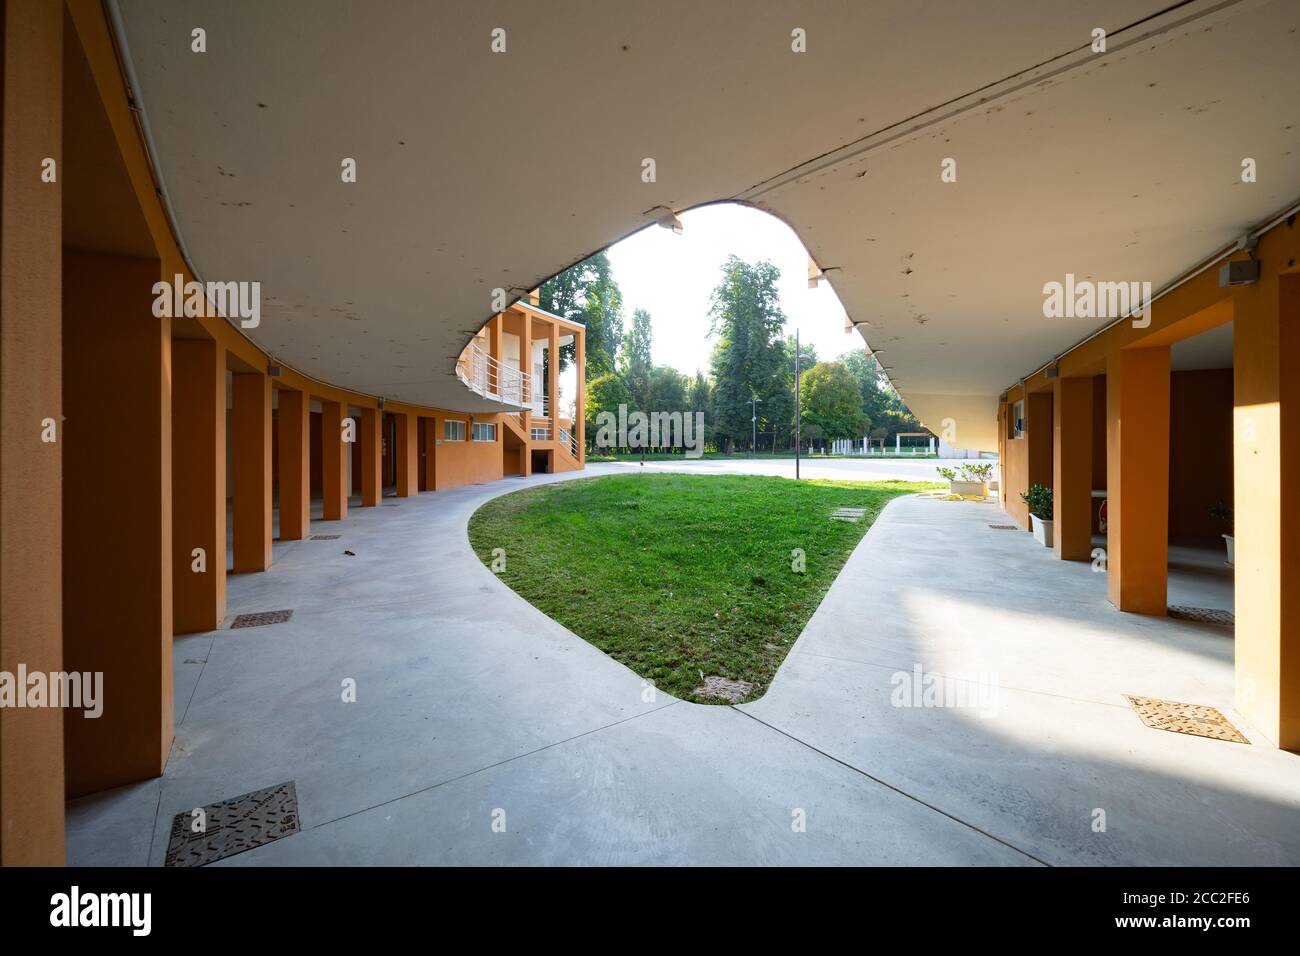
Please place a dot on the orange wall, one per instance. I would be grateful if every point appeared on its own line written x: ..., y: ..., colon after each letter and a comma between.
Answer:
x: 1200, y: 452
x: 467, y: 462
x: 1025, y: 461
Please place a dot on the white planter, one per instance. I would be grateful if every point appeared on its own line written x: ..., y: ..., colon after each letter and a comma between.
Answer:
x: 1042, y: 530
x: 978, y: 488
x: 1231, y: 551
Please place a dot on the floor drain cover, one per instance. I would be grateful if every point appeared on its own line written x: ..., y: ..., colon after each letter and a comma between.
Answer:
x: 326, y: 537
x: 1003, y: 527
x: 261, y: 618
x: 223, y: 829
x: 848, y: 514
x: 393, y: 505
x: 1203, y: 615
x: 1196, y: 719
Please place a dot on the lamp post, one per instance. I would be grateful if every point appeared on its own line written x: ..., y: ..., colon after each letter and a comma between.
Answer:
x: 754, y: 402
x: 798, y: 410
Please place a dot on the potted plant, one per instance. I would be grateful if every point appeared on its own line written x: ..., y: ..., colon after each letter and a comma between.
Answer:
x: 1223, y: 513
x: 1039, y: 500
x: 967, y: 480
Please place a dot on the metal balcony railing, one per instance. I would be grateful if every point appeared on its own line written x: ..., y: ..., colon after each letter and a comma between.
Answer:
x: 491, y: 378
x: 569, y: 437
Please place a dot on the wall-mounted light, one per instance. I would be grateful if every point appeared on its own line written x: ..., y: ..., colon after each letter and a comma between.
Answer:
x: 273, y: 371
x: 669, y: 220
x: 1241, y: 272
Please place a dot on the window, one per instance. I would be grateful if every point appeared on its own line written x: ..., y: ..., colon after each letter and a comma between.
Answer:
x: 484, y: 432
x: 453, y: 430
x: 1018, y: 420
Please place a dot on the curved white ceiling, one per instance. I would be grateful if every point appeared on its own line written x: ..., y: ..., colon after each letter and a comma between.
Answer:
x: 479, y: 170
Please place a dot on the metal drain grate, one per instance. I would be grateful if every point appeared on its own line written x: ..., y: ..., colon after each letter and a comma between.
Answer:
x: 1196, y: 719
x: 326, y: 537
x: 848, y: 514
x: 393, y: 505
x: 1203, y: 615
x: 1003, y: 527
x: 233, y: 826
x: 261, y: 618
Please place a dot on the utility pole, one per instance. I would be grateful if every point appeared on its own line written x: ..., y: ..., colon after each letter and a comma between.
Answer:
x: 754, y: 402
x: 798, y: 410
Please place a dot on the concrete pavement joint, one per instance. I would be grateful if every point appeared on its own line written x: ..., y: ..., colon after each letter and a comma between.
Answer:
x: 898, y: 790
x: 499, y: 763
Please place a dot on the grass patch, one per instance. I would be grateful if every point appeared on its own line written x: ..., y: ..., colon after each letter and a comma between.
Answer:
x: 677, y: 574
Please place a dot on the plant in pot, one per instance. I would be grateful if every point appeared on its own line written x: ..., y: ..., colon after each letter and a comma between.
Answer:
x: 1039, y: 500
x: 1223, y: 512
x: 967, y: 480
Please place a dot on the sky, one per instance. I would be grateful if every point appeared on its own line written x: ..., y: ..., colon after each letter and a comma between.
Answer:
x: 672, y: 276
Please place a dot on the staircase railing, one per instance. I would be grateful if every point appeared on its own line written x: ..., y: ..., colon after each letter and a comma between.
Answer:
x: 489, y: 376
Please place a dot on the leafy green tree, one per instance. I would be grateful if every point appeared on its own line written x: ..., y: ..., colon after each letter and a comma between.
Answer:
x: 634, y: 362
x: 604, y: 394
x: 831, y: 402
x: 749, y: 356
x: 700, y: 399
x: 667, y: 390
x: 881, y: 403
x: 587, y: 293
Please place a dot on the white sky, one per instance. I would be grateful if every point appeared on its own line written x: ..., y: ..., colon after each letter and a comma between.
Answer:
x: 672, y: 276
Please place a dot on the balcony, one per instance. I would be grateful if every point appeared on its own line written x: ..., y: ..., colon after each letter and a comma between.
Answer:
x: 491, y: 379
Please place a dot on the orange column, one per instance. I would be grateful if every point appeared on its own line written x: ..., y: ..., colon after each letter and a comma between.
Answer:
x: 408, y: 455
x: 553, y: 380
x: 430, y: 463
x: 372, y: 458
x: 117, y: 518
x: 294, y: 416
x: 1072, y: 468
x: 31, y: 363
x: 198, y: 485
x: 581, y: 410
x: 1137, y: 479
x: 1266, y: 455
x: 334, y: 461
x: 250, y: 433
x: 529, y: 386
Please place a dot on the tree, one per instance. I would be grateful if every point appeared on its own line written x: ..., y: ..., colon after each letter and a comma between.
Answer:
x: 881, y: 403
x: 831, y: 402
x: 700, y: 399
x: 587, y: 293
x: 749, y: 357
x: 605, y: 394
x: 634, y: 362
x: 667, y: 390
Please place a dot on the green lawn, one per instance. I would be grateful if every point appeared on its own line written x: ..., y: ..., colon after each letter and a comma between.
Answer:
x: 675, y: 575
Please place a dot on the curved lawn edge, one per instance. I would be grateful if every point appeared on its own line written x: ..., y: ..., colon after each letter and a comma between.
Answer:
x: 680, y: 577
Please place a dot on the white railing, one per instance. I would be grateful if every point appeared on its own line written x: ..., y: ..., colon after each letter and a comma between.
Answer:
x: 569, y: 437
x: 489, y: 377
x: 541, y: 432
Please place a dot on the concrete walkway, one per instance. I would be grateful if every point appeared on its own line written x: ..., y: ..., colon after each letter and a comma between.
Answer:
x: 470, y: 702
